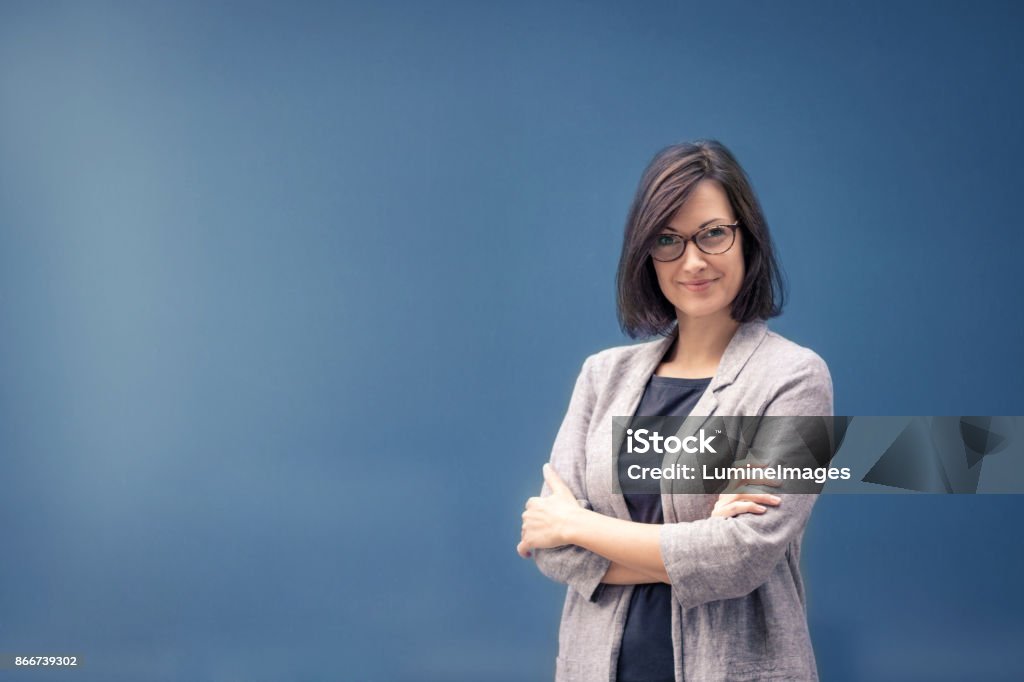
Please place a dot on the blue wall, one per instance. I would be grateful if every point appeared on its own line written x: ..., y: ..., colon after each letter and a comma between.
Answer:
x: 292, y: 298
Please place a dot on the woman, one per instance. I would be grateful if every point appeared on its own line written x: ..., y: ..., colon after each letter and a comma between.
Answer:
x: 672, y: 586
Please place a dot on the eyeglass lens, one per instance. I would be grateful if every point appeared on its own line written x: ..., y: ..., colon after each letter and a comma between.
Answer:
x: 712, y: 241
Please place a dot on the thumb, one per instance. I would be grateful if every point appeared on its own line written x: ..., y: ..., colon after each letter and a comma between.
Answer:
x: 557, y: 485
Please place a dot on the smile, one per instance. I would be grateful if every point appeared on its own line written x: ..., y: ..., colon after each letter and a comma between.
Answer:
x: 699, y: 285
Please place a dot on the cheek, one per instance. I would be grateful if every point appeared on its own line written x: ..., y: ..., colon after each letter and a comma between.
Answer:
x: 736, y: 274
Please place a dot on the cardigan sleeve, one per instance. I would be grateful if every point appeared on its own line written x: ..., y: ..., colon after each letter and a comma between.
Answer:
x: 726, y: 558
x: 571, y: 565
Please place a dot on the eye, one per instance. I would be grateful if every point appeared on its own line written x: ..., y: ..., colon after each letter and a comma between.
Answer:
x: 667, y: 239
x: 715, y: 232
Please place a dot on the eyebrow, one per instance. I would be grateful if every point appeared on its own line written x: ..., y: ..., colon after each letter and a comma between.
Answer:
x: 702, y: 226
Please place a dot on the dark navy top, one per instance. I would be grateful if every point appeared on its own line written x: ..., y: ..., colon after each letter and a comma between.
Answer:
x: 646, y: 652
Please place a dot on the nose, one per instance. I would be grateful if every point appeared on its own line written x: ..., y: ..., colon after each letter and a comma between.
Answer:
x: 693, y: 259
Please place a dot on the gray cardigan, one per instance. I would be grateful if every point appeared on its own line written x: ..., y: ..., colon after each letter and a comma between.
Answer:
x: 739, y: 610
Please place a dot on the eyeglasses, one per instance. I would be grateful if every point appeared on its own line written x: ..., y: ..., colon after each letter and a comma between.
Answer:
x: 712, y: 240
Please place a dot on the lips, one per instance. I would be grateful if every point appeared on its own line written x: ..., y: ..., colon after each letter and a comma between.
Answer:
x: 698, y: 284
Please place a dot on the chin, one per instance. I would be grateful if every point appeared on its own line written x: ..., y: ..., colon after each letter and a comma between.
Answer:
x: 700, y: 311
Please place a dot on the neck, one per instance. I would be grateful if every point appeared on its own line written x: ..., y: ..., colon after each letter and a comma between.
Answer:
x: 703, y: 340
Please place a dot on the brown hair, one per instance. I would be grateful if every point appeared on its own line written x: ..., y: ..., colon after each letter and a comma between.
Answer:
x: 665, y: 185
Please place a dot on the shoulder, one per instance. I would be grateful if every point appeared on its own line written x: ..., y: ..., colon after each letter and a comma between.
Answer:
x: 797, y: 378
x: 786, y: 357
x: 621, y: 359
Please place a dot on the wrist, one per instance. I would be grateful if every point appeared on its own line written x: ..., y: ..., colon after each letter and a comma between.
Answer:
x: 572, y: 525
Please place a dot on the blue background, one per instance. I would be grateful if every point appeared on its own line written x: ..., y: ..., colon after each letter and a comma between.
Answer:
x: 292, y: 299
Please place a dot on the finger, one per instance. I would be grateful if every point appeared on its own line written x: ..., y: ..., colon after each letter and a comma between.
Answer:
x: 737, y: 508
x: 557, y: 485
x: 728, y: 510
x: 741, y: 507
x: 523, y: 550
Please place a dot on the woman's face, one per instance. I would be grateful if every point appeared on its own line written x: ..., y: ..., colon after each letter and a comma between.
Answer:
x: 700, y: 285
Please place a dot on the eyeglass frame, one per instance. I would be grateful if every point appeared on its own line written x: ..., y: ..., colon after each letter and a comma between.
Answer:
x: 693, y: 239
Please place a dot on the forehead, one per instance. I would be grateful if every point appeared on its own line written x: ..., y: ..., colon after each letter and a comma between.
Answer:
x: 707, y: 200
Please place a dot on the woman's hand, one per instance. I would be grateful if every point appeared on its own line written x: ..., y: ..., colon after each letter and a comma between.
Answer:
x: 731, y: 503
x: 546, y: 519
x: 734, y: 504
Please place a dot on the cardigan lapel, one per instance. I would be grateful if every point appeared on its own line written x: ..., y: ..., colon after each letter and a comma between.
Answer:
x: 747, y: 337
